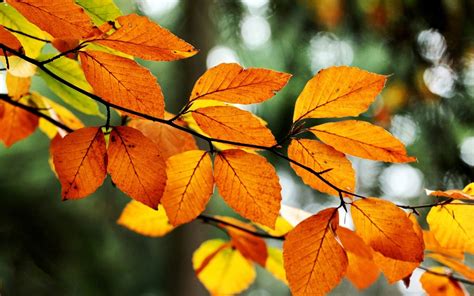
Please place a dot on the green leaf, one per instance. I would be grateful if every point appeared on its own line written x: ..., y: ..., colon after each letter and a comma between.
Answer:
x: 11, y: 18
x: 100, y: 11
x: 70, y: 71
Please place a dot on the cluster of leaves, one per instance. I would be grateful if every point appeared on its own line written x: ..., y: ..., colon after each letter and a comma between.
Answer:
x: 153, y: 156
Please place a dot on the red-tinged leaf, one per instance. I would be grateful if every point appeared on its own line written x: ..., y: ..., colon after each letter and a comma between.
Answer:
x: 189, y: 185
x: 453, y: 193
x: 338, y: 92
x: 314, y: 260
x: 233, y: 124
x: 379, y: 223
x: 437, y: 284
x: 321, y: 157
x: 249, y: 184
x: 9, y: 40
x: 140, y: 37
x: 123, y: 82
x: 65, y: 44
x: 250, y: 246
x: 60, y: 18
x: 136, y: 166
x: 80, y: 161
x: 16, y: 124
x: 362, y: 139
x: 234, y: 84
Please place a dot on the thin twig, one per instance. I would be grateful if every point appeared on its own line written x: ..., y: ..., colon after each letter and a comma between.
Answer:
x: 451, y: 276
x: 27, y: 35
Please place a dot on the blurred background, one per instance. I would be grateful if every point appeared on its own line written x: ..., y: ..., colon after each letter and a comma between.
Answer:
x: 427, y: 47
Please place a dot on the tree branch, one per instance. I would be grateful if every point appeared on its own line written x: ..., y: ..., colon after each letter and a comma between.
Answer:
x: 453, y: 277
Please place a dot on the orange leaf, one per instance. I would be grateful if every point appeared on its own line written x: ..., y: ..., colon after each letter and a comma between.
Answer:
x: 250, y: 246
x: 338, y: 92
x: 65, y: 44
x: 233, y: 124
x: 431, y: 244
x: 362, y: 271
x: 9, y: 40
x: 454, y: 193
x: 60, y: 18
x: 455, y: 264
x: 17, y: 86
x: 123, y: 82
x: 320, y: 157
x: 16, y: 124
x: 393, y: 269
x: 140, y: 37
x: 438, y: 285
x: 136, y: 166
x: 362, y: 139
x: 249, y: 184
x: 189, y: 185
x: 171, y: 140
x: 234, y: 84
x: 387, y: 229
x: 314, y: 261
x: 144, y: 220
x: 80, y: 161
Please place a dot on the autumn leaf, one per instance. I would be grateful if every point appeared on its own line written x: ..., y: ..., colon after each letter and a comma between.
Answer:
x: 362, y: 271
x: 9, y: 40
x: 144, y: 220
x: 17, y: 86
x: 338, y: 92
x: 100, y: 11
x: 140, y: 37
x: 233, y: 124
x: 379, y: 222
x: 123, y: 82
x: 452, y: 226
x: 321, y: 157
x: 16, y: 123
x: 440, y: 285
x: 250, y: 246
x: 136, y: 166
x: 171, y: 140
x: 314, y: 261
x: 362, y: 139
x: 80, y: 160
x: 432, y: 245
x: 189, y: 185
x: 455, y: 264
x: 282, y: 227
x: 253, y: 193
x: 221, y: 269
x: 234, y: 84
x: 274, y: 264
x: 60, y: 18
x: 466, y: 193
x: 66, y: 44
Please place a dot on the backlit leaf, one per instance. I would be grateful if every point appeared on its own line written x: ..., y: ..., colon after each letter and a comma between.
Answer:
x: 455, y: 264
x: 233, y: 124
x: 394, y: 270
x: 19, y: 67
x: 9, y: 40
x: 362, y: 271
x: 17, y: 86
x: 136, y: 166
x: 466, y: 193
x: 275, y: 265
x: 338, y: 92
x: 70, y: 71
x: 123, y: 82
x: 234, y: 84
x: 439, y: 285
x: 189, y: 185
x: 100, y: 11
x: 432, y: 245
x: 144, y: 220
x: 16, y: 123
x: 282, y: 227
x: 314, y: 260
x: 320, y: 157
x: 379, y: 222
x: 221, y: 269
x: 362, y: 139
x: 60, y: 18
x: 140, y: 37
x: 249, y: 184
x: 80, y: 162
x: 452, y: 226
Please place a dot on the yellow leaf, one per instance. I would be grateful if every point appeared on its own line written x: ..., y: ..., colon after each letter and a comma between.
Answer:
x: 233, y: 124
x: 19, y: 67
x: 338, y: 92
x: 282, y: 227
x: 387, y: 229
x: 452, y: 226
x: 144, y: 220
x: 231, y: 83
x: 438, y: 285
x: 17, y: 86
x: 253, y: 193
x: 314, y: 260
x: 320, y: 157
x: 274, y: 264
x: 226, y: 272
x: 431, y: 244
x: 189, y: 185
x: 362, y: 139
x: 455, y: 264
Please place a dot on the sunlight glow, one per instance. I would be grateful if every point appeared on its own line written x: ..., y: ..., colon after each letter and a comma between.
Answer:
x: 221, y: 54
x: 255, y: 31
x: 157, y: 7
x: 401, y: 181
x: 327, y: 50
